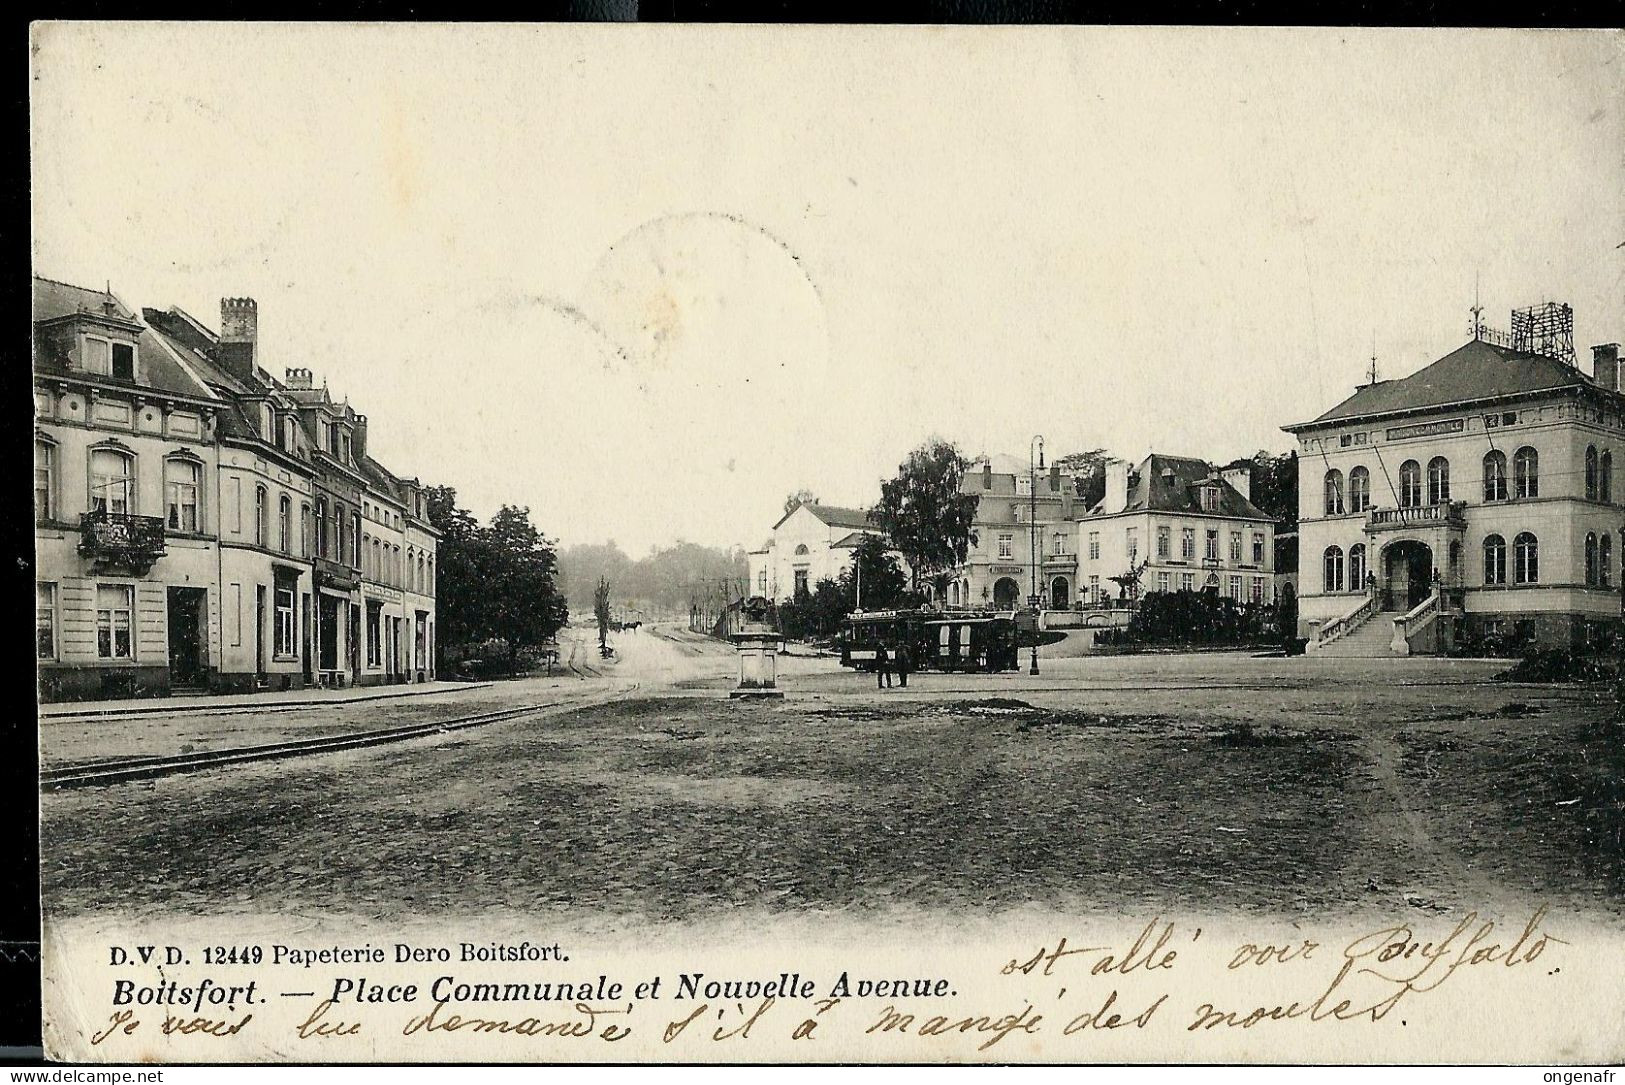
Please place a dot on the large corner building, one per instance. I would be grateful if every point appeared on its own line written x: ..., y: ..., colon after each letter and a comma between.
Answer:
x: 201, y: 524
x: 1472, y: 501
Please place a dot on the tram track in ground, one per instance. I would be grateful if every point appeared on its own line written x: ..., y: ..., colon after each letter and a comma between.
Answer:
x: 129, y: 769
x: 202, y: 707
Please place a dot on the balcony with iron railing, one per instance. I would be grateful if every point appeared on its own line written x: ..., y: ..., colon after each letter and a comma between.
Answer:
x: 1437, y: 514
x: 119, y: 540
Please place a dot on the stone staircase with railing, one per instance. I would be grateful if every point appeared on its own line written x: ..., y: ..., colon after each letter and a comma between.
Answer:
x: 1372, y: 637
x: 1368, y: 631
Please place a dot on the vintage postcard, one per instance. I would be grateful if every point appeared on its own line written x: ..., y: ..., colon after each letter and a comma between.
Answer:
x: 850, y: 544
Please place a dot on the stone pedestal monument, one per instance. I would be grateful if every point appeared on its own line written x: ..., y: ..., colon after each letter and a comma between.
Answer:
x: 758, y: 646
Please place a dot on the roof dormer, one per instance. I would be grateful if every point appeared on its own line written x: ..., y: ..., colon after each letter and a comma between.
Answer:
x: 98, y: 342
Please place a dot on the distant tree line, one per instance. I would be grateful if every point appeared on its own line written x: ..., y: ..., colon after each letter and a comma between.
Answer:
x: 663, y: 580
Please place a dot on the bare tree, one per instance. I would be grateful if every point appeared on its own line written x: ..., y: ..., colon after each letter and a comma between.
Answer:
x: 600, y: 610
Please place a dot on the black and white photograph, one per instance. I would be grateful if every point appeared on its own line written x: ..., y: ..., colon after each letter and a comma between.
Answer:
x: 674, y: 544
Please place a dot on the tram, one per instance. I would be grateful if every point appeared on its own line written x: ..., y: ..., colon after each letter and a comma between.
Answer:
x: 981, y: 640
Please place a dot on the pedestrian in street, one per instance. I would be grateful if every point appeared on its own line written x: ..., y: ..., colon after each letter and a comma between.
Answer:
x: 882, y: 668
x: 903, y: 664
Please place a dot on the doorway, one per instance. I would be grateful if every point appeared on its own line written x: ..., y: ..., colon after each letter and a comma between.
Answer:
x: 328, y: 632
x: 1407, y: 569
x: 1006, y: 593
x: 1060, y: 597
x: 186, y: 666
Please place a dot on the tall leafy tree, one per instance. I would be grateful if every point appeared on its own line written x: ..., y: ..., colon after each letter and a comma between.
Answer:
x: 495, y: 582
x: 460, y: 598
x: 926, y: 513
x: 1088, y: 471
x: 524, y: 606
x: 875, y: 579
x: 1274, y: 484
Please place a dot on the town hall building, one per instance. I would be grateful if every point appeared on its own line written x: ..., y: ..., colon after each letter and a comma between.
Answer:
x: 1470, y: 502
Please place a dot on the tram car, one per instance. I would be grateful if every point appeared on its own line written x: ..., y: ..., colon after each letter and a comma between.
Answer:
x: 984, y: 641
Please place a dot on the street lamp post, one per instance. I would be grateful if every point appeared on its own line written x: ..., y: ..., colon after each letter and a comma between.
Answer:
x: 1035, y: 460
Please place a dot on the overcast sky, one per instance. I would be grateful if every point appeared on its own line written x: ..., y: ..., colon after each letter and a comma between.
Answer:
x: 648, y: 280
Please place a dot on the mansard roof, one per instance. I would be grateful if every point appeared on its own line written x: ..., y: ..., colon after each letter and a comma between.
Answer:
x: 158, y: 369
x: 1173, y: 484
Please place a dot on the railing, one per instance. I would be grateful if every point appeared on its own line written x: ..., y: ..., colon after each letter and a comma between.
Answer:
x: 1348, y: 623
x: 120, y: 539
x: 1448, y: 513
x: 1414, y: 622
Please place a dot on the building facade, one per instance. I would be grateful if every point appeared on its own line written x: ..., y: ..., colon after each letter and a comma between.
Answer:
x: 1171, y: 524
x: 1025, y: 538
x: 1472, y: 499
x: 193, y: 531
x: 810, y: 543
x: 126, y: 453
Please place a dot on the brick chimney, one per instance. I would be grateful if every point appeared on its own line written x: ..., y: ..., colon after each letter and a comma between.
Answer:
x: 1116, y: 486
x: 987, y: 474
x: 358, y: 444
x: 1605, y: 365
x: 1240, y: 477
x: 239, y: 336
x: 1054, y: 478
x: 298, y: 380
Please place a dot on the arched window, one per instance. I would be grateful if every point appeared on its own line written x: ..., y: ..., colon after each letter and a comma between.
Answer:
x: 1438, y: 480
x: 44, y: 480
x: 306, y: 526
x: 422, y: 583
x: 1591, y: 558
x: 260, y: 526
x: 1605, y: 561
x: 1334, y: 493
x: 1591, y: 472
x: 1495, y: 560
x: 1605, y: 477
x: 1525, y: 559
x: 112, y: 481
x: 1357, y: 567
x: 355, y: 540
x: 284, y: 524
x: 1526, y: 472
x: 801, y: 549
x: 428, y: 588
x: 321, y: 527
x: 1455, y: 563
x: 1359, y: 490
x: 1495, y: 476
x: 1334, y: 568
x: 1410, y: 484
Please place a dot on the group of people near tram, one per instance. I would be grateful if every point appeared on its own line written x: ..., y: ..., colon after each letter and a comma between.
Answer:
x: 892, y: 658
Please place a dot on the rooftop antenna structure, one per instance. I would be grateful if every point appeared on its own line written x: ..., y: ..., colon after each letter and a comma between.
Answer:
x: 1477, y: 329
x: 1372, y: 373
x: 1546, y: 329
